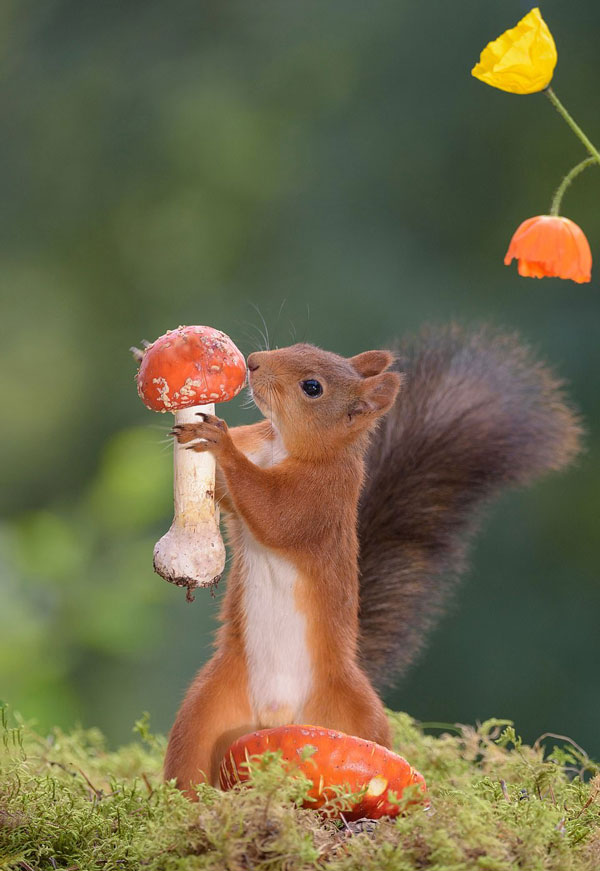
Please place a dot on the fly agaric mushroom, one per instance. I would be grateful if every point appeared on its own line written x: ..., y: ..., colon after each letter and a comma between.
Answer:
x: 185, y: 372
x: 329, y: 759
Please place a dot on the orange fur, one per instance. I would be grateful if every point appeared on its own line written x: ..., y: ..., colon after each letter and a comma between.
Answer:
x: 302, y: 509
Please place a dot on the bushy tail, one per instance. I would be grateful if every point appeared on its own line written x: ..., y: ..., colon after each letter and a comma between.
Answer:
x: 477, y: 413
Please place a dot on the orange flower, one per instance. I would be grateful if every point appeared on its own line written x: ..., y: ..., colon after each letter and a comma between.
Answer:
x: 553, y: 246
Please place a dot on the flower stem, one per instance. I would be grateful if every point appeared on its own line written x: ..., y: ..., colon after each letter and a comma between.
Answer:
x: 572, y: 124
x: 573, y: 173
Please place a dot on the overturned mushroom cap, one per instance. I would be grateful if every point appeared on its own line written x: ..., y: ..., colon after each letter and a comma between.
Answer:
x: 332, y: 760
x: 190, y: 366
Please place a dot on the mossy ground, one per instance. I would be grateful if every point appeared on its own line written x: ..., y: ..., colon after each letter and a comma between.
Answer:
x: 68, y: 803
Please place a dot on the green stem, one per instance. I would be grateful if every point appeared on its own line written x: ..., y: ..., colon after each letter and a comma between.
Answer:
x: 572, y: 124
x: 573, y: 173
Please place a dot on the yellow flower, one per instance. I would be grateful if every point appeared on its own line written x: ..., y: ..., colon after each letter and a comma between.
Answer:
x: 522, y: 60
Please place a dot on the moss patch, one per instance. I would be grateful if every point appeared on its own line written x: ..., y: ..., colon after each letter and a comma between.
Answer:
x: 66, y: 802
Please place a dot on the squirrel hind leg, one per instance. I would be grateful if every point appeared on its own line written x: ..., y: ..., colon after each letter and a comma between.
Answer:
x: 214, y: 713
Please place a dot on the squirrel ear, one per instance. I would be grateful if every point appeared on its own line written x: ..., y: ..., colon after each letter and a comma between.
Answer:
x: 378, y: 394
x: 371, y: 362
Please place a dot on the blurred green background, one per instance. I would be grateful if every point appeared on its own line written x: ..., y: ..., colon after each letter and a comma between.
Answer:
x: 335, y: 166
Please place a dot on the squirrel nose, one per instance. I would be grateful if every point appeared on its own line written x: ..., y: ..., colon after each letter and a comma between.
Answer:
x: 253, y: 363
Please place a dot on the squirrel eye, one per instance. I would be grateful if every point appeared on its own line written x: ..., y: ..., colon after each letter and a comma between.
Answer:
x: 311, y: 387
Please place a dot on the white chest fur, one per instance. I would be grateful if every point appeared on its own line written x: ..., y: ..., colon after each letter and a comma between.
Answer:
x: 271, y: 452
x: 279, y: 665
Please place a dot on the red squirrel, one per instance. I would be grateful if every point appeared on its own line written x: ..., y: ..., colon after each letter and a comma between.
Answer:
x: 348, y: 509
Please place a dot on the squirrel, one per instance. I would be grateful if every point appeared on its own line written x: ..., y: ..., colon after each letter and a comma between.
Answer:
x: 349, y: 508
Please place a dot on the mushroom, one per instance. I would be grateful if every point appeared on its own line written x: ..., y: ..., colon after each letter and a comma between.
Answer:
x: 331, y: 760
x: 185, y: 372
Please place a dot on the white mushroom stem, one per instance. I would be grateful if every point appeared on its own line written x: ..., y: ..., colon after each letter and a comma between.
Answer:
x: 192, y: 554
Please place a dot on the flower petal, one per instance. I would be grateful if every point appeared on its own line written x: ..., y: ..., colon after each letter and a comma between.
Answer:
x: 553, y: 246
x: 522, y: 59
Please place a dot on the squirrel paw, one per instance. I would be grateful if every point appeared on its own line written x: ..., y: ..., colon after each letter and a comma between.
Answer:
x: 212, y: 430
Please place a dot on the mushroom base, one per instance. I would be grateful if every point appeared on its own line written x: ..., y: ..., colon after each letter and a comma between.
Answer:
x: 190, y: 556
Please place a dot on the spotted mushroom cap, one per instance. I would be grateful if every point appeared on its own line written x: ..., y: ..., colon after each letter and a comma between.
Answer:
x: 190, y: 366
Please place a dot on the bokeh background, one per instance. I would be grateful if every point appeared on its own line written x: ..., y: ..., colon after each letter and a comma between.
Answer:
x: 334, y: 169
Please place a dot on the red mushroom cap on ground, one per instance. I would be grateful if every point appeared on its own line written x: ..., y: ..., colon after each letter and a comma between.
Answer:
x: 190, y: 366
x: 338, y: 760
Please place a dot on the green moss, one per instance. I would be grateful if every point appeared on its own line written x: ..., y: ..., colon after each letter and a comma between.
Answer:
x: 67, y: 802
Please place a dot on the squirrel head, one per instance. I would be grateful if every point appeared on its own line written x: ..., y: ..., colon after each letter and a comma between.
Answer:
x: 318, y: 400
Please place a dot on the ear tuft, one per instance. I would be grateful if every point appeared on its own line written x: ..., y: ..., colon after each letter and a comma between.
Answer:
x: 371, y: 363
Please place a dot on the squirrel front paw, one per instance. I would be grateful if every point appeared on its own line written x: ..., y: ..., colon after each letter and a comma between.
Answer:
x: 211, y: 429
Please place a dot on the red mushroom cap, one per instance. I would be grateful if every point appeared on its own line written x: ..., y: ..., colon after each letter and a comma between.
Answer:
x: 190, y: 366
x: 338, y: 760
